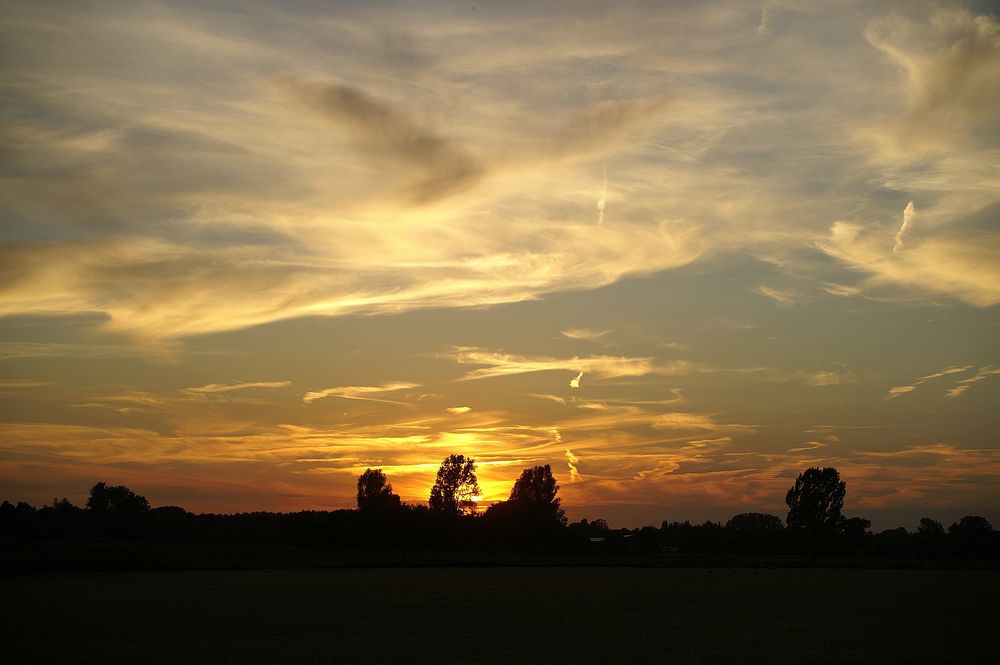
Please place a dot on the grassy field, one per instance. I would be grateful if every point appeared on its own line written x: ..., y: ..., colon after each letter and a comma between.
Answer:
x: 502, y: 615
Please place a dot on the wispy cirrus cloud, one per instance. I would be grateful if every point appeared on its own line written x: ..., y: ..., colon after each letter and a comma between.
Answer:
x: 585, y: 334
x: 506, y: 364
x: 896, y: 391
x: 366, y: 393
x: 781, y: 297
x: 949, y: 66
x: 963, y: 385
x: 215, y: 388
x: 22, y: 384
x: 962, y: 267
x: 830, y: 378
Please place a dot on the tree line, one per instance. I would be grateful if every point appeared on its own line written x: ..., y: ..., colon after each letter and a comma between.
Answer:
x: 531, y: 517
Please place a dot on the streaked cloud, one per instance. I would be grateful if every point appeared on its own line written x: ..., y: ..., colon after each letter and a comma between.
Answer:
x: 22, y: 384
x: 830, y: 378
x: 951, y: 64
x: 603, y: 200
x: 505, y: 364
x: 571, y: 463
x: 940, y: 139
x: 693, y: 421
x: 780, y: 297
x: 358, y: 392
x: 896, y: 391
x: 213, y: 388
x: 585, y: 334
x: 908, y: 214
x: 962, y: 267
x: 963, y: 385
x: 808, y: 446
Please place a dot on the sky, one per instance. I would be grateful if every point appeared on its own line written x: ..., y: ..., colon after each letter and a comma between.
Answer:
x: 679, y: 251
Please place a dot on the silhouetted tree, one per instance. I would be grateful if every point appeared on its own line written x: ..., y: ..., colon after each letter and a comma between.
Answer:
x: 972, y: 535
x: 532, y: 513
x: 537, y: 488
x: 930, y: 538
x: 535, y: 485
x: 892, y: 542
x: 929, y: 528
x: 754, y: 522
x: 455, y: 485
x: 375, y: 492
x: 755, y: 532
x: 117, y: 499
x: 815, y: 501
x: 649, y: 538
x: 598, y: 527
x: 855, y: 533
x: 117, y: 512
x: 971, y: 525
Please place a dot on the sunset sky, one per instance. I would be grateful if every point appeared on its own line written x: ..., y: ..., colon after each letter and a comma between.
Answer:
x: 680, y: 251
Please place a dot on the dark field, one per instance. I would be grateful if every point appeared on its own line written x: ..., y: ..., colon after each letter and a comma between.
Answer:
x: 502, y: 615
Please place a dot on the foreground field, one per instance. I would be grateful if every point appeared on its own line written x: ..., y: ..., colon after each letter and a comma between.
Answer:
x: 502, y: 615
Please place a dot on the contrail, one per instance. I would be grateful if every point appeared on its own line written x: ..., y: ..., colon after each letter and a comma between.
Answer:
x: 575, y: 383
x: 571, y: 462
x: 601, y: 202
x: 908, y: 212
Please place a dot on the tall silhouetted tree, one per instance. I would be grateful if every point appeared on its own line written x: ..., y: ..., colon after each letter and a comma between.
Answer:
x: 536, y: 488
x: 535, y: 485
x: 375, y: 492
x: 532, y: 513
x: 815, y: 502
x: 455, y: 485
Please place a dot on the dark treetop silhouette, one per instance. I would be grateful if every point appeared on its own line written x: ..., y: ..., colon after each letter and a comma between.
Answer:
x: 455, y: 486
x: 375, y: 491
x: 815, y: 501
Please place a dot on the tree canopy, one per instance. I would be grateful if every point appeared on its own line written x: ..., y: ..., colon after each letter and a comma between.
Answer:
x: 455, y: 486
x: 116, y: 499
x: 535, y: 485
x: 375, y: 491
x: 754, y: 522
x: 815, y: 501
x: 971, y: 525
x: 532, y: 508
x: 929, y: 528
